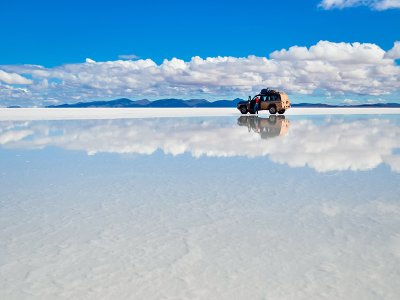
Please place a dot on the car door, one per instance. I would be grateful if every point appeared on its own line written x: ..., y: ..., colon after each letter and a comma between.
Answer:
x: 264, y: 102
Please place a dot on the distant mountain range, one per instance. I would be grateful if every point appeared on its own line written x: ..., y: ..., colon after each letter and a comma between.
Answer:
x: 321, y: 105
x: 162, y: 103
x: 174, y: 103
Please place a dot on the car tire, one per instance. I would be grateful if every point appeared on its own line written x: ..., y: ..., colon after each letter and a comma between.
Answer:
x: 281, y: 112
x: 272, y: 110
x: 243, y: 110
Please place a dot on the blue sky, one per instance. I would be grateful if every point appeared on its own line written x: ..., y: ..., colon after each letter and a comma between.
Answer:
x: 51, y: 33
x: 58, y: 33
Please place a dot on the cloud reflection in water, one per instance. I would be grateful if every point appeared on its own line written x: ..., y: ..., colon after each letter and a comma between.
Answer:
x: 327, y: 144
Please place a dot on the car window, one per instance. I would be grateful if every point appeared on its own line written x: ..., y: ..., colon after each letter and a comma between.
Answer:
x: 274, y: 97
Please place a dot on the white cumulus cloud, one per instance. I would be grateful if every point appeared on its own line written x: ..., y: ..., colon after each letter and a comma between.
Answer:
x: 325, y: 68
x: 373, y: 4
x: 13, y: 78
x: 386, y: 4
x: 394, y: 53
x: 128, y: 56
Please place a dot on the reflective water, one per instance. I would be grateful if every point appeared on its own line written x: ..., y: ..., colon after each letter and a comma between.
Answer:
x: 201, y: 208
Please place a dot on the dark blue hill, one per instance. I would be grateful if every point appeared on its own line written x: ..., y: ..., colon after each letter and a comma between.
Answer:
x: 162, y: 103
x: 174, y: 103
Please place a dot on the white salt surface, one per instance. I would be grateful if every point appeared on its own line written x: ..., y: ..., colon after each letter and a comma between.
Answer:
x: 120, y: 113
x: 132, y: 222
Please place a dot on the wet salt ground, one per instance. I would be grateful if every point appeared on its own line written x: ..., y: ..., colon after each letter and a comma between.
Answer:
x: 177, y: 209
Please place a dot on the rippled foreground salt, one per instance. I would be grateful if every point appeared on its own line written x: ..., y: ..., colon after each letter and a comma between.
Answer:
x: 201, y: 208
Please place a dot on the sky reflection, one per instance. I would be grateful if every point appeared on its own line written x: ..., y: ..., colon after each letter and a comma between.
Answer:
x: 324, y: 143
x: 200, y: 208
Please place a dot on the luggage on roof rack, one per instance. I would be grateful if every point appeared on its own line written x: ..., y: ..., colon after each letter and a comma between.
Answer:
x: 268, y: 91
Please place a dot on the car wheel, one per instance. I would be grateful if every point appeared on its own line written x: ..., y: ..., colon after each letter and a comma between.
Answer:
x: 281, y: 112
x: 272, y: 110
x: 243, y: 110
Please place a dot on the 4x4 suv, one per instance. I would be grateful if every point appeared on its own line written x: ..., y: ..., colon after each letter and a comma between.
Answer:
x: 271, y: 100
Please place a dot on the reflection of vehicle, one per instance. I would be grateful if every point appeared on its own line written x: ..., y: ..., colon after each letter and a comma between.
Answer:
x: 271, y: 100
x: 266, y: 127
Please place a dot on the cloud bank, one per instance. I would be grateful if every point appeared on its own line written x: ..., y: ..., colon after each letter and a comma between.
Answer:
x: 373, y: 4
x: 326, y: 69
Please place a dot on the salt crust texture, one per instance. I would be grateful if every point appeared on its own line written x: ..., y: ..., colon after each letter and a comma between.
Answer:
x: 181, y: 226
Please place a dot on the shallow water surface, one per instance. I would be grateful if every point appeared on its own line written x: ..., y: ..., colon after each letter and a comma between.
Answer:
x: 201, y: 208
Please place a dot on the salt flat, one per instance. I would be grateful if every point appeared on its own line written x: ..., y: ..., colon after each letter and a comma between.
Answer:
x: 120, y: 113
x: 234, y: 207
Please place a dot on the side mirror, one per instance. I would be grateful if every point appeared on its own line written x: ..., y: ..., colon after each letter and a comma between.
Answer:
x: 249, y: 98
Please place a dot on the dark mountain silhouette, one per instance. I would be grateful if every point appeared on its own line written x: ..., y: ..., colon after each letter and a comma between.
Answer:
x: 124, y: 102
x: 222, y: 103
x: 169, y: 103
x: 390, y: 105
x: 142, y: 102
x: 317, y: 105
x: 196, y: 102
x: 174, y: 103
x: 322, y: 105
